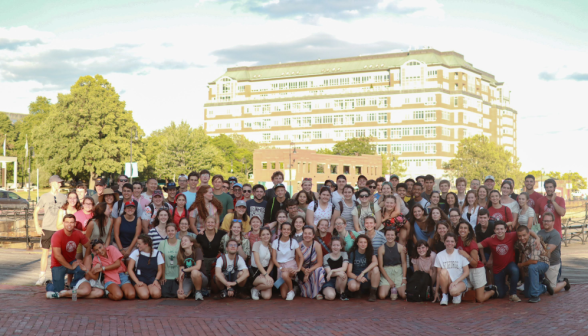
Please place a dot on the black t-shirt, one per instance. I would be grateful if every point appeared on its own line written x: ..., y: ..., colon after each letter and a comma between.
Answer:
x: 483, y: 235
x: 210, y: 249
x: 334, y: 264
x: 271, y: 193
x: 256, y: 209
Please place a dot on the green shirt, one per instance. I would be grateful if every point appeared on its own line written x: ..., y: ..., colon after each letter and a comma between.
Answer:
x: 227, y: 203
x: 349, y: 240
x: 172, y: 269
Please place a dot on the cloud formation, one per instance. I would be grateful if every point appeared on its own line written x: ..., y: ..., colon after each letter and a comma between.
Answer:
x: 313, y: 47
x: 551, y: 76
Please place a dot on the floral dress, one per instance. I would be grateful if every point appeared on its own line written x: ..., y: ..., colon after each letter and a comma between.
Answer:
x: 312, y: 287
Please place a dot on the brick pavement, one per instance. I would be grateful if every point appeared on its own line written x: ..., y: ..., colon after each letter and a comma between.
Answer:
x: 25, y: 311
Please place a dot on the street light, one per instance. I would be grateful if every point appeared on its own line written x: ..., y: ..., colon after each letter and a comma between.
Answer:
x: 136, y: 137
x: 290, y: 158
x: 31, y: 153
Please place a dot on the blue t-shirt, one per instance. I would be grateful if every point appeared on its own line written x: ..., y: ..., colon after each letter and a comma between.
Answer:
x: 190, y: 198
x: 359, y: 261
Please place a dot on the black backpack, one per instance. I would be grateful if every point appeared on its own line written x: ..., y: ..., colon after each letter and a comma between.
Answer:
x: 419, y: 287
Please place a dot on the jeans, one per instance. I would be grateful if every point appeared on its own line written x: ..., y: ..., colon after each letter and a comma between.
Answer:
x: 533, y: 288
x: 58, y: 274
x: 499, y: 279
x: 559, y: 278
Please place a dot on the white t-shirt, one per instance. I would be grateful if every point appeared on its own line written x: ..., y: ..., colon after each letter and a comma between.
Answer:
x: 231, y: 263
x: 264, y: 254
x: 287, y: 250
x: 321, y: 213
x: 135, y: 256
x: 453, y: 263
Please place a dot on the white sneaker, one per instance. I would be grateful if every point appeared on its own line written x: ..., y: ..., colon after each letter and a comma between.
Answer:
x: 444, y: 300
x: 52, y: 295
x: 41, y: 280
x: 457, y: 299
x: 290, y: 296
x: 198, y: 296
x: 254, y: 294
x: 521, y: 287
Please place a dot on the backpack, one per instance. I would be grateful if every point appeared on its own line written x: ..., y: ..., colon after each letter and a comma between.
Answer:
x: 120, y: 207
x: 332, y: 207
x: 358, y: 207
x: 418, y: 287
x: 224, y: 257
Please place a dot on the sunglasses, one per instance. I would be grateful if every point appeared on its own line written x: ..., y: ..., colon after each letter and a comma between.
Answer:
x: 237, y: 221
x: 246, y: 191
x: 364, y: 196
x: 372, y: 187
x: 123, y: 180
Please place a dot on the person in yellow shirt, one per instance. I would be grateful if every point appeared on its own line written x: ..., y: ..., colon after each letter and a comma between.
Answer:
x: 240, y: 213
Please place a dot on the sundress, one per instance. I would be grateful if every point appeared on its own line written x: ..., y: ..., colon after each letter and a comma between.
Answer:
x: 312, y: 287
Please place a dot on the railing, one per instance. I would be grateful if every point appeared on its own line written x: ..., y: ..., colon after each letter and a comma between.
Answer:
x: 575, y: 224
x: 11, y: 220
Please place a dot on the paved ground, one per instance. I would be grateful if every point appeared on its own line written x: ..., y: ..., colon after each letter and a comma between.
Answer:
x: 25, y: 311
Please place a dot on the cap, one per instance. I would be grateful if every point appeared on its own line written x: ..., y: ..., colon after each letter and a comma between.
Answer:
x: 157, y: 193
x: 232, y: 179
x: 307, y: 179
x: 100, y: 182
x: 489, y: 177
x: 237, y: 185
x: 171, y: 185
x: 394, y: 176
x: 55, y: 178
x: 279, y: 185
x: 240, y: 203
x: 362, y: 176
x: 108, y: 191
x: 130, y: 204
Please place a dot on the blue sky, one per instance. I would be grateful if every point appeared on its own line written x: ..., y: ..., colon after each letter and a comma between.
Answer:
x: 160, y: 55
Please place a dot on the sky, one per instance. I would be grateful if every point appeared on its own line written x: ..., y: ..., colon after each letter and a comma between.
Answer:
x: 160, y: 55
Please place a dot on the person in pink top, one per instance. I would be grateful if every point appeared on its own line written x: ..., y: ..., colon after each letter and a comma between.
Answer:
x: 83, y: 218
x: 108, y: 260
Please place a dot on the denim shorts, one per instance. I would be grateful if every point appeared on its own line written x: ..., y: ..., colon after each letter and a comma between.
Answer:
x: 124, y: 279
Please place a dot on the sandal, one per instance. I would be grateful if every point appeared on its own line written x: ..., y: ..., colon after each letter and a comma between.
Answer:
x: 319, y: 296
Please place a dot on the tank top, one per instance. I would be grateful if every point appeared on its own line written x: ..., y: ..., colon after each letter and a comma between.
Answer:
x: 96, y: 231
x: 391, y: 255
x: 127, y: 231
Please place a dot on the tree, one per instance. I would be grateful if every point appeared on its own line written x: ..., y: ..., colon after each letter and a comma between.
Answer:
x: 87, y: 132
x: 6, y: 126
x: 478, y: 157
x: 577, y: 180
x: 354, y: 146
x: 392, y: 165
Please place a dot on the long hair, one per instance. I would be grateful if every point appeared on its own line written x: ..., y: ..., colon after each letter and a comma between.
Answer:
x: 369, y: 251
x: 200, y: 203
x: 309, y: 198
x: 100, y: 217
x: 91, y: 199
x: 294, y: 222
x: 78, y: 205
x: 289, y: 237
x: 231, y: 231
x: 490, y: 194
x: 471, y: 234
x: 478, y: 194
x: 156, y: 219
x: 265, y: 228
x: 182, y: 252
x: 431, y: 222
x: 244, y: 218
x: 437, y: 237
x: 384, y: 204
x: 465, y: 202
x: 456, y: 204
x: 147, y: 241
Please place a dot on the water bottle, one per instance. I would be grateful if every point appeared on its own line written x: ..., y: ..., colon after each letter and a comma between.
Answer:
x: 74, y: 294
x: 394, y: 293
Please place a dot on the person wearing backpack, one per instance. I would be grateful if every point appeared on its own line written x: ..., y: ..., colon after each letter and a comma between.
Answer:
x: 118, y: 209
x: 231, y: 273
x: 425, y: 260
x: 324, y: 209
x: 346, y: 206
x: 365, y: 209
x: 348, y: 237
x: 150, y: 211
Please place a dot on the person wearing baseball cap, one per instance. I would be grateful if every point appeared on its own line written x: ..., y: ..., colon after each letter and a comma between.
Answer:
x: 274, y: 205
x: 232, y: 180
x: 171, y: 189
x: 489, y: 182
x: 151, y: 210
x: 237, y: 193
x: 50, y: 203
x: 99, y: 187
x: 239, y: 214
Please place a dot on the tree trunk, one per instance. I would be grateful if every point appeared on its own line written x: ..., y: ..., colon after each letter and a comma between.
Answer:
x: 92, y: 181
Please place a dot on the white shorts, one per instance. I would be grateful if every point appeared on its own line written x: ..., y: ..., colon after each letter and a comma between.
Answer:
x: 93, y: 283
x: 477, y: 277
x: 552, y: 273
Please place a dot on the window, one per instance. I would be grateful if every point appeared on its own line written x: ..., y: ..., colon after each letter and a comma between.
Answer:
x: 445, y: 115
x: 430, y: 148
x: 333, y: 169
x: 446, y: 147
x: 338, y: 119
x: 357, y: 170
x: 396, y: 149
x: 281, y: 165
x: 356, y: 80
x: 264, y: 165
x: 371, y: 117
x: 293, y: 85
x: 307, y: 106
x: 417, y: 131
x: 416, y: 115
x: 346, y: 170
x: 396, y: 133
x: 266, y: 138
x: 431, y: 101
x: 418, y: 99
x: 382, y: 149
x: 308, y: 168
x: 432, y: 73
x: 455, y: 100
x: 360, y: 102
x: 241, y: 88
x: 430, y: 116
x: 303, y: 84
x: 273, y: 165
x: 382, y: 102
x: 382, y: 118
x: 446, y: 131
x: 382, y: 133
x: 430, y: 132
x: 344, y: 81
x: 317, y: 135
x: 407, y: 100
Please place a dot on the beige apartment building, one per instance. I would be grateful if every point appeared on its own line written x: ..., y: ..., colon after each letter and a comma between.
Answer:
x: 417, y: 105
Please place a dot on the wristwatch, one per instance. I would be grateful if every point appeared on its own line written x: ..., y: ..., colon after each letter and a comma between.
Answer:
x: 103, y: 269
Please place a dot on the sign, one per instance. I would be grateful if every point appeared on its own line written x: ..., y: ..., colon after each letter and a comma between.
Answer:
x: 132, y: 169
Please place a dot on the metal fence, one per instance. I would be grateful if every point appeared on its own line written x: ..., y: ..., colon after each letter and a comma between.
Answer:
x: 575, y: 224
x: 14, y: 224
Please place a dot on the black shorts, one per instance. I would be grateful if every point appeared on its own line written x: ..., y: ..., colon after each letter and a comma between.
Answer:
x: 46, y: 239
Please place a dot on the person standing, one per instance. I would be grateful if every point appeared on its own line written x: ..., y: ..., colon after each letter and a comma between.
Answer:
x: 171, y: 191
x: 193, y: 178
x: 118, y: 209
x: 337, y: 195
x: 551, y: 203
x: 275, y: 204
x: 417, y: 197
x: 277, y: 179
x: 99, y: 187
x: 146, y: 197
x: 122, y: 180
x: 204, y: 177
x: 183, y: 183
x: 530, y: 189
x: 474, y: 184
x: 137, y: 191
x: 50, y: 203
x: 429, y: 184
x: 225, y: 199
x: 489, y: 182
x: 256, y: 206
x: 238, y: 193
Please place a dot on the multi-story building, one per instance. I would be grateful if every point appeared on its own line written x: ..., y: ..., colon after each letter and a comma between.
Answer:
x: 417, y: 105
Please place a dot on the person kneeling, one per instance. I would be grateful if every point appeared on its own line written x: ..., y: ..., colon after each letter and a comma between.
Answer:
x: 534, y: 263
x: 335, y: 265
x: 452, y: 272
x: 146, y: 268
x: 361, y: 252
x: 231, y: 273
x: 392, y: 264
x: 108, y: 260
x: 190, y: 258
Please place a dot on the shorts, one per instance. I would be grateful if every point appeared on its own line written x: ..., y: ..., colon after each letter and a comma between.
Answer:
x: 552, y: 273
x: 124, y: 279
x: 367, y: 276
x: 330, y: 283
x: 477, y: 277
x: 188, y: 285
x: 93, y: 283
x: 46, y: 239
x: 289, y: 264
x: 395, y: 274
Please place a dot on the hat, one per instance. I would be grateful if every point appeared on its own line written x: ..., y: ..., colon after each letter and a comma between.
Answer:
x: 232, y: 179
x: 237, y: 185
x: 130, y: 204
x: 171, y: 185
x: 55, y: 178
x: 393, y: 176
x: 108, y: 191
x: 240, y: 203
x: 361, y: 176
x: 100, y: 182
x: 157, y: 193
x: 490, y: 177
x: 279, y: 185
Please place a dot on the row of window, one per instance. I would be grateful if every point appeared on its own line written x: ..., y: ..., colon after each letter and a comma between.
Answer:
x: 322, y: 168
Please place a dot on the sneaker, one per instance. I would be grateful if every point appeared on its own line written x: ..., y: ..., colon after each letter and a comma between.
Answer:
x: 457, y: 299
x: 521, y: 287
x: 514, y: 298
x: 290, y: 296
x: 495, y: 289
x: 198, y: 296
x: 52, y: 295
x: 547, y: 285
x: 343, y: 297
x: 319, y: 296
x: 41, y: 280
x: 254, y: 294
x: 445, y: 300
x: 534, y: 299
x: 568, y: 286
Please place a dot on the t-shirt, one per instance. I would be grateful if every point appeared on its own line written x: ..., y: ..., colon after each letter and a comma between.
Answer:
x: 365, y: 212
x: 480, y: 236
x: 425, y: 264
x: 117, y: 213
x: 378, y: 240
x: 359, y: 262
x: 190, y: 198
x: 349, y: 240
x: 552, y: 237
x: 68, y: 245
x: 135, y: 256
x: 112, y: 255
x: 156, y: 237
x: 148, y: 215
x: 190, y: 261
x: 82, y: 219
x: 499, y: 214
x: 50, y: 204
x: 145, y: 200
x: 469, y: 249
x: 453, y: 263
x: 241, y: 265
x: 256, y: 209
x: 502, y: 250
x: 226, y: 223
x: 170, y: 253
x: 544, y: 205
x: 533, y: 198
x: 264, y: 254
x: 227, y: 202
x: 328, y: 261
x: 524, y: 217
x: 286, y: 251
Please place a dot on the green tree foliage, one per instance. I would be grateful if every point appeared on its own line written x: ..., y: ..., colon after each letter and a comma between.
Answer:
x: 577, y: 180
x: 87, y: 132
x: 392, y: 165
x: 478, y: 157
x: 6, y: 127
x: 353, y: 146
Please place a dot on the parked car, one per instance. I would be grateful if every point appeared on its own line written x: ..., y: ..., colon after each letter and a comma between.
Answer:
x: 11, y: 200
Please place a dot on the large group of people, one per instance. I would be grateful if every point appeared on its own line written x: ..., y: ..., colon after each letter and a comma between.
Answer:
x: 379, y: 239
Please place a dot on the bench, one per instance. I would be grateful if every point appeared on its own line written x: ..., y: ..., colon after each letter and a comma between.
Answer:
x: 575, y: 229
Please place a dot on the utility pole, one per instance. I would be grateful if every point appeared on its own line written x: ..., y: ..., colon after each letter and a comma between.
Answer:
x: 133, y: 133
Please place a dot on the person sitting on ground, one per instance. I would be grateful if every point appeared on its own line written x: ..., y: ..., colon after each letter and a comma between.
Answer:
x: 533, y: 263
x: 452, y: 272
x: 108, y: 260
x: 146, y: 268
x: 360, y: 274
x: 425, y: 261
x: 190, y: 276
x: 553, y: 240
x: 231, y: 273
x: 287, y: 258
x: 392, y: 264
x: 335, y: 265
x: 261, y: 266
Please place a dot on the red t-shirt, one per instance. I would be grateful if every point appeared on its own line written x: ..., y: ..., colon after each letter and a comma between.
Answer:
x: 68, y: 245
x: 112, y: 255
x: 177, y: 216
x: 468, y: 249
x: 327, y: 240
x: 544, y: 205
x: 82, y: 219
x: 499, y: 214
x: 502, y: 250
x: 533, y: 198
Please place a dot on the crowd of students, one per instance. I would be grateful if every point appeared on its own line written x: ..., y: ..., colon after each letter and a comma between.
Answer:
x: 383, y: 239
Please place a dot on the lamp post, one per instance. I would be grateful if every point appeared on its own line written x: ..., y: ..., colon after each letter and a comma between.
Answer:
x: 135, y: 136
x: 542, y: 172
x: 31, y: 153
x: 290, y: 165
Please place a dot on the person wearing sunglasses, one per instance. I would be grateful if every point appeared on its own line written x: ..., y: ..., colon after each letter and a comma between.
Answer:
x: 247, y: 191
x: 239, y: 214
x: 365, y: 209
x: 231, y: 273
x: 122, y: 180
x: 237, y: 193
x: 50, y: 203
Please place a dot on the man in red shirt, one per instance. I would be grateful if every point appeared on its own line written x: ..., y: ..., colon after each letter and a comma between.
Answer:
x: 530, y: 189
x: 551, y: 203
x: 64, y: 244
x: 502, y: 248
